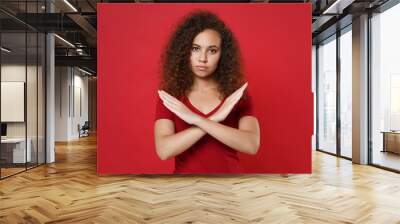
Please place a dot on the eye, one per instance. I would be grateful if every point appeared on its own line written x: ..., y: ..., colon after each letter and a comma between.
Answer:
x: 213, y: 51
x: 195, y: 48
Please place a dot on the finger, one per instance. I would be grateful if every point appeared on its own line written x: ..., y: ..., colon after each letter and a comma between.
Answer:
x: 171, y: 108
x: 236, y: 94
x: 238, y: 91
x: 177, y: 109
x: 166, y: 95
x: 235, y: 98
x: 171, y: 99
x: 244, y: 86
x: 171, y: 105
x: 169, y: 96
x: 176, y: 112
x: 166, y: 101
x: 164, y: 98
x: 177, y: 103
x: 233, y: 95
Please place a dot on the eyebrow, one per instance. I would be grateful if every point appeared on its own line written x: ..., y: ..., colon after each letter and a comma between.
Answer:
x: 208, y: 46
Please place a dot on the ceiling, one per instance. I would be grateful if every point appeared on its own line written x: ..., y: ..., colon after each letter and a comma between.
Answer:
x: 76, y: 22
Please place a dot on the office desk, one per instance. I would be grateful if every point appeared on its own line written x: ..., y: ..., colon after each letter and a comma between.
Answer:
x: 13, y: 150
x: 391, y: 141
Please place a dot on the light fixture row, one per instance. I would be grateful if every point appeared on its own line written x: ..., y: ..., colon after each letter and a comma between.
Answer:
x: 5, y: 50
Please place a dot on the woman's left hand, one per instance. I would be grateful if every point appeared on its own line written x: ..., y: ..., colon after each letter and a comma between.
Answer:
x: 178, y: 108
x: 228, y: 105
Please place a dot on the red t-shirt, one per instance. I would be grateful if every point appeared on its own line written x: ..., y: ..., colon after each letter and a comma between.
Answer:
x: 208, y: 155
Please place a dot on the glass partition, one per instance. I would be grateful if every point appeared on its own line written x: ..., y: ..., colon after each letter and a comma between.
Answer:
x: 22, y: 77
x: 14, y: 153
x: 327, y: 95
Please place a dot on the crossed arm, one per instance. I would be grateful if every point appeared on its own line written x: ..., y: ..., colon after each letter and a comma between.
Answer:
x: 246, y: 138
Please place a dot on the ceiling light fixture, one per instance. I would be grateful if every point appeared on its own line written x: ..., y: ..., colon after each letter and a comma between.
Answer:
x: 70, y: 5
x: 79, y: 51
x: 64, y: 40
x: 337, y: 7
x: 5, y: 50
x: 84, y: 71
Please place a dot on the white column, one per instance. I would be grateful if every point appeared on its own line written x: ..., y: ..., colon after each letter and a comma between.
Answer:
x: 50, y: 92
x: 50, y: 100
x: 360, y: 90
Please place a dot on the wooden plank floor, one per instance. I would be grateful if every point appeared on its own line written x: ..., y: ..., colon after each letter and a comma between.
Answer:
x: 70, y: 191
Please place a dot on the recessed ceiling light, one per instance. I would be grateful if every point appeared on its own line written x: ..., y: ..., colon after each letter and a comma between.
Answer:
x: 64, y: 40
x: 70, y: 5
x: 84, y: 71
x: 5, y: 50
x: 338, y: 6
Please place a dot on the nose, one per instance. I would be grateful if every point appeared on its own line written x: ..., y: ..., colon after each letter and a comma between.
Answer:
x: 203, y: 57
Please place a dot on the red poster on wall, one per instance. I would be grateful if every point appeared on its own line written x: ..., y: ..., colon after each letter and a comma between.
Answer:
x: 209, y: 120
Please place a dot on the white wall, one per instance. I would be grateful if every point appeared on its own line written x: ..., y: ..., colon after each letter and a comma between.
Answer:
x: 61, y: 103
x: 71, y: 93
x: 79, y: 117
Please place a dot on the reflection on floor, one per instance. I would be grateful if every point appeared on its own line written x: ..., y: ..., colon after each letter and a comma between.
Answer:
x: 10, y: 169
x: 386, y: 159
x: 346, y: 152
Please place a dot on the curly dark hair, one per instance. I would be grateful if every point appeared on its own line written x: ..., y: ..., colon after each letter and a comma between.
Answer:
x: 177, y: 77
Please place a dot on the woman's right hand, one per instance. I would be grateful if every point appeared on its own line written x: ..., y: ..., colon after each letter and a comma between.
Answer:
x: 178, y: 108
x: 228, y: 105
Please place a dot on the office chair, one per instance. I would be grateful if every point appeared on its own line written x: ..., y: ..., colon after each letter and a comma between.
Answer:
x: 84, y: 130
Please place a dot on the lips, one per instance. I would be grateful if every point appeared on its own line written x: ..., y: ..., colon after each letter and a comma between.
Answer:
x: 202, y: 68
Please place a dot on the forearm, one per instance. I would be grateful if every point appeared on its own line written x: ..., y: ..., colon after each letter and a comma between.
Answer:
x: 172, y: 145
x: 240, y: 140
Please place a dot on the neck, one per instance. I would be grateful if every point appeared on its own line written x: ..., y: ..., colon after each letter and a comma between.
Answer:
x: 205, y: 84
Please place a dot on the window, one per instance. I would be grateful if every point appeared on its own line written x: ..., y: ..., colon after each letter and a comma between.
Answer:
x: 385, y: 86
x: 327, y: 95
x: 346, y: 93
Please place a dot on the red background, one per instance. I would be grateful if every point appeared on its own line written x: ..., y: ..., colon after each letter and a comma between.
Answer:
x: 275, y: 41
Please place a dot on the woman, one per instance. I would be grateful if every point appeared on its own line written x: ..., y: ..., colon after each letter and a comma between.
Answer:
x: 203, y: 116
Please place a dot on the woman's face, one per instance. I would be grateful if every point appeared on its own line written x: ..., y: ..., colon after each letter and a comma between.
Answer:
x: 206, y: 52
